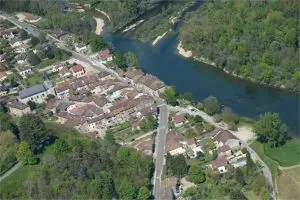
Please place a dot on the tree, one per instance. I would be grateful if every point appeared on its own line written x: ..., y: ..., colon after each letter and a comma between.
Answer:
x: 97, y: 42
x: 148, y: 123
x: 119, y: 60
x: 211, y: 105
x: 25, y: 154
x: 131, y: 60
x: 177, y: 165
x: 34, y: 41
x: 24, y: 35
x: 258, y: 184
x: 196, y: 174
x: 32, y: 58
x: 42, y: 37
x: 170, y: 95
x: 200, y: 156
x: 239, y: 177
x: 237, y: 195
x: 5, y: 122
x: 190, y: 133
x: 60, y: 147
x: 32, y: 105
x: 126, y: 191
x: 143, y: 194
x: 106, y: 184
x: 33, y: 131
x: 251, y: 167
x: 270, y: 129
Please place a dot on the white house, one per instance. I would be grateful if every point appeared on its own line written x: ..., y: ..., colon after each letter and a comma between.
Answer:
x: 177, y: 151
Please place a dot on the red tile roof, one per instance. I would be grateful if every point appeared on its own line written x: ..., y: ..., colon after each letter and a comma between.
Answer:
x: 77, y: 68
x: 219, y: 162
x: 2, y: 74
x: 179, y: 118
x: 104, y: 54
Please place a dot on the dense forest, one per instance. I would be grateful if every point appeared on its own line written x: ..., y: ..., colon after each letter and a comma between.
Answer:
x: 256, y: 40
x: 58, y: 163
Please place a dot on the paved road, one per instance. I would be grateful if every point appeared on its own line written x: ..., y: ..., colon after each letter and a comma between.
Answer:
x: 10, y: 171
x: 266, y: 171
x: 162, y: 131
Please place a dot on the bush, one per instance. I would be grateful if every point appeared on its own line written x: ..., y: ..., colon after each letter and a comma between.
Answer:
x: 217, y: 118
x: 232, y: 126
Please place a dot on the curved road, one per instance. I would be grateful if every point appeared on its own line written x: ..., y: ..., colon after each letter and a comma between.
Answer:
x: 266, y: 171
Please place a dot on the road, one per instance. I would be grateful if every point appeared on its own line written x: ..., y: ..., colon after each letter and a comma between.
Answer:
x: 10, y: 171
x: 160, y: 142
x: 265, y: 169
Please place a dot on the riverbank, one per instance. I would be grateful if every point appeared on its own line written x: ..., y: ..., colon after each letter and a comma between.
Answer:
x: 159, y: 38
x: 99, y: 25
x: 188, y: 54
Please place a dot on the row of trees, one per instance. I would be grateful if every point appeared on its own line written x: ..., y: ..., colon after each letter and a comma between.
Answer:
x: 257, y: 40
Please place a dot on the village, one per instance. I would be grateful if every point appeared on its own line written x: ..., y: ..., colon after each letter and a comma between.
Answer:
x: 96, y: 102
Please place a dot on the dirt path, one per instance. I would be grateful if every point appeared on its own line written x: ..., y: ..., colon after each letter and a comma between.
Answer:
x: 10, y: 171
x: 290, y: 167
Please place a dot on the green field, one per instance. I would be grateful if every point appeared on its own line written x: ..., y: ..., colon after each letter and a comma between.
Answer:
x: 33, y: 80
x: 272, y: 164
x: 287, y: 155
x: 288, y: 184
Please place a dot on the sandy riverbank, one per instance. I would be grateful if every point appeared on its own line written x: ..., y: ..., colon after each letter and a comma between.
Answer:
x: 159, y: 38
x: 183, y: 52
x: 100, y: 25
x: 133, y: 26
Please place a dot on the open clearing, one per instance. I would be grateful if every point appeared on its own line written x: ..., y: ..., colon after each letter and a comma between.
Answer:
x: 288, y: 184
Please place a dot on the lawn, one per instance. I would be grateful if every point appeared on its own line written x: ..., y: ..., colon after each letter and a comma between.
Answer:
x: 33, y: 80
x: 246, y: 121
x: 272, y: 164
x: 288, y: 184
x: 287, y: 155
x: 14, y: 183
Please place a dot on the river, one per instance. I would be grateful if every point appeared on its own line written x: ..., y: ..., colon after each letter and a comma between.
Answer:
x: 245, y: 98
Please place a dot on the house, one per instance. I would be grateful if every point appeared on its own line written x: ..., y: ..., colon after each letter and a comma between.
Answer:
x: 174, y: 143
x: 22, y: 48
x: 24, y: 70
x: 64, y: 73
x: 224, y: 137
x: 78, y: 71
x: 179, y: 119
x: 3, y: 76
x: 7, y: 34
x: 20, y: 58
x: 220, y: 164
x: 18, y: 109
x: 81, y: 48
x: 105, y: 56
x: 37, y: 93
x: 62, y: 91
x: 224, y: 150
x: 2, y: 57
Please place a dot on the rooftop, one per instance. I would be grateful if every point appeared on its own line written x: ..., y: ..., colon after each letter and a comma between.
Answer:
x: 27, y: 92
x: 77, y: 68
x: 17, y: 105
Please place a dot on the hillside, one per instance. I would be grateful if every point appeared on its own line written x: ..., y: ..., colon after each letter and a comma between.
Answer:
x: 256, y: 40
x: 58, y: 163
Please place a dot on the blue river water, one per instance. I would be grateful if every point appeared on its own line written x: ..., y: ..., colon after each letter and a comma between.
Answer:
x: 202, y: 80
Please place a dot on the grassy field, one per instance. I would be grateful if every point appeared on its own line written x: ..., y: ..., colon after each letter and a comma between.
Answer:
x: 14, y: 183
x: 272, y: 164
x: 33, y: 80
x: 288, y: 184
x: 287, y: 155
